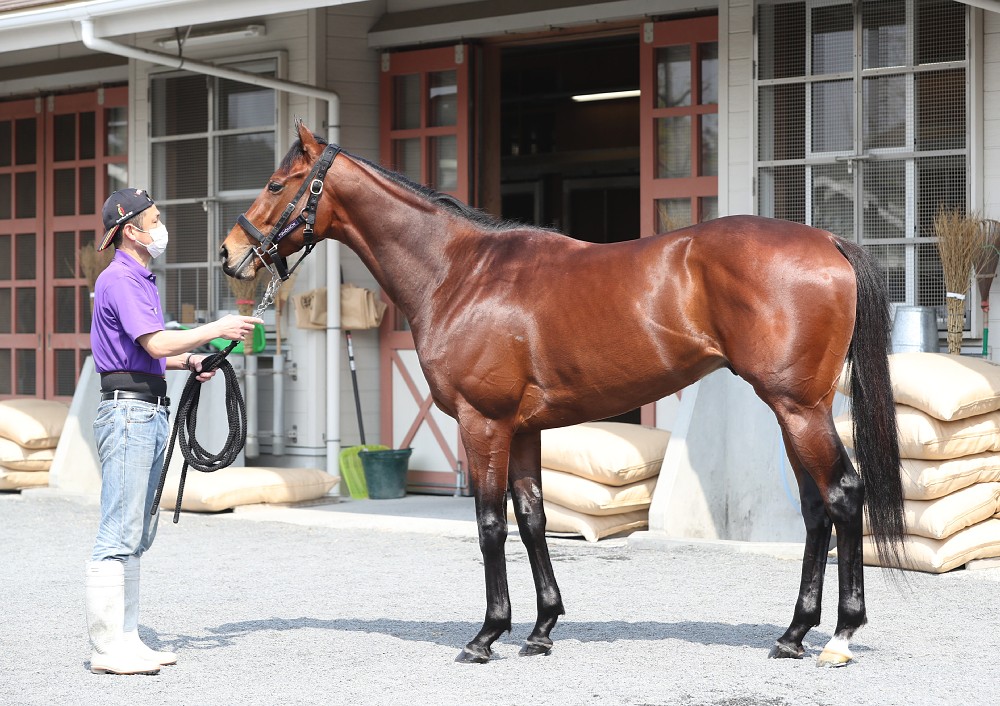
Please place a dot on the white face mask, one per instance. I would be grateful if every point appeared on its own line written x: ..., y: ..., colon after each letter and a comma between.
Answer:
x: 160, y: 238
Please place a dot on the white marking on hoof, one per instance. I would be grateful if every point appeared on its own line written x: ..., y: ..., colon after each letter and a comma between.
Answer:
x: 837, y: 653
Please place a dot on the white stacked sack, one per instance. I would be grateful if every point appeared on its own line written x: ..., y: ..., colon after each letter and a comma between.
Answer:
x: 948, y: 412
x: 239, y: 485
x: 598, y: 478
x: 29, y: 433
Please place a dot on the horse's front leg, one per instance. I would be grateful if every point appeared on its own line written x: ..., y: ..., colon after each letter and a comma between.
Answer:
x: 487, y: 446
x: 526, y: 489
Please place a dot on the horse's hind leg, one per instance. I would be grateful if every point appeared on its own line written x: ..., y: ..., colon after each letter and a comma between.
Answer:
x: 488, y: 449
x: 525, y: 482
x: 808, y: 607
x: 812, y: 437
x: 845, y: 503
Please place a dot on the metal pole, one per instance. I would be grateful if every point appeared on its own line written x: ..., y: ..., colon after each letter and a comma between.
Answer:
x: 252, y: 447
x: 354, y: 380
x: 278, y: 412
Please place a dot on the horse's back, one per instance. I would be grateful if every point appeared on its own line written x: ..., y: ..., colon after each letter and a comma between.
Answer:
x: 746, y: 234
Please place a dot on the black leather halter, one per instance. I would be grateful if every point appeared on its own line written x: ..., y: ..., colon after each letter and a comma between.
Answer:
x: 268, y: 245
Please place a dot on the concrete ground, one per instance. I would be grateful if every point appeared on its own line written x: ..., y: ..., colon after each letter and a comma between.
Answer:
x: 433, y: 514
x: 368, y: 602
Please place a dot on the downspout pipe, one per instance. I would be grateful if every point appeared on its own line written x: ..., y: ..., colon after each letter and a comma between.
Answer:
x: 332, y: 431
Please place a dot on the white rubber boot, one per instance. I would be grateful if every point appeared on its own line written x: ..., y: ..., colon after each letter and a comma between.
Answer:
x: 106, y: 619
x: 131, y: 627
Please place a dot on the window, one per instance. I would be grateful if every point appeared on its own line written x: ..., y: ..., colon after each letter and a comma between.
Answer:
x: 679, y: 113
x: 862, y: 126
x: 213, y: 149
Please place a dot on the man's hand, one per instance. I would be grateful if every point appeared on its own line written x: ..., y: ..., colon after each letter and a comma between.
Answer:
x: 234, y: 327
x: 194, y: 364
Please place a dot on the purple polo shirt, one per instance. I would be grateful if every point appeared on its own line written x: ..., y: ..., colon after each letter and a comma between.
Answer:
x: 126, y: 306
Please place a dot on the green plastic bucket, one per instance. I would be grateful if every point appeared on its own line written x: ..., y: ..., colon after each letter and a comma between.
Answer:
x: 352, y: 472
x: 385, y: 472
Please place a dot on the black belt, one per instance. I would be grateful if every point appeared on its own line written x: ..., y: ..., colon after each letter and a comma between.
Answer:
x: 141, y: 396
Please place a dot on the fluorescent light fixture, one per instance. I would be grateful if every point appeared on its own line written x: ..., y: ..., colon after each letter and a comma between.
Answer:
x: 609, y: 95
x: 214, y: 36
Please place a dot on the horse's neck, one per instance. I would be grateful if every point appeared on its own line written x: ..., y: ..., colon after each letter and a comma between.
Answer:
x: 400, y: 237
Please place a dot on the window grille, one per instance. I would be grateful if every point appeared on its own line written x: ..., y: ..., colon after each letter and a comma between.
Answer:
x: 213, y: 148
x: 862, y: 126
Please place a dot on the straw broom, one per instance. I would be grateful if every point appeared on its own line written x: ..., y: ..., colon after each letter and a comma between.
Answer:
x: 986, y: 270
x: 92, y: 264
x: 960, y: 244
x: 245, y: 292
x: 280, y: 300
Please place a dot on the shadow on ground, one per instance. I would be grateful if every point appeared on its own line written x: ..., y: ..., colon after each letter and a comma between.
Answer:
x: 456, y: 633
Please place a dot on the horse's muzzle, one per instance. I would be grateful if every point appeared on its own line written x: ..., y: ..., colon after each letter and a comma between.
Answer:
x: 236, y: 272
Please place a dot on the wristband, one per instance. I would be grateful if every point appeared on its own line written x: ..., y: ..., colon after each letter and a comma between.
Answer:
x: 187, y: 362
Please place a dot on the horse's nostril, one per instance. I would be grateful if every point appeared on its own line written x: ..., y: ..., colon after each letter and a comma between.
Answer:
x: 223, y: 252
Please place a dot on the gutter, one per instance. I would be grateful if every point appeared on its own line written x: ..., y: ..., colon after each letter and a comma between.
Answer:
x: 990, y: 5
x: 32, y: 27
x: 332, y: 433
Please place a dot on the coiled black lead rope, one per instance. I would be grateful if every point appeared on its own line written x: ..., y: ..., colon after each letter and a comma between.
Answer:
x: 194, y: 454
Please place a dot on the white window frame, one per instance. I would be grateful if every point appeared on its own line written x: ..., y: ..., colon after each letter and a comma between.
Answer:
x: 972, y: 66
x: 214, y: 199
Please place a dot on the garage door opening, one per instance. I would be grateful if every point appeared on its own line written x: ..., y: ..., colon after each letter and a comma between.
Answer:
x: 569, y: 137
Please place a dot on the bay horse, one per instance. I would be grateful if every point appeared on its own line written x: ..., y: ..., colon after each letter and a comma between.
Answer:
x: 520, y: 329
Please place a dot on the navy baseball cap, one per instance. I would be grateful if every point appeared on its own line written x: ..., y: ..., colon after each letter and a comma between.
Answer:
x: 121, y: 206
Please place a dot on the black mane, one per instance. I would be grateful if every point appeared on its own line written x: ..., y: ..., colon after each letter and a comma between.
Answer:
x: 450, y: 203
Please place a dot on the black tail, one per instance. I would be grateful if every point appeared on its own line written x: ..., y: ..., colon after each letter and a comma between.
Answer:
x: 873, y: 411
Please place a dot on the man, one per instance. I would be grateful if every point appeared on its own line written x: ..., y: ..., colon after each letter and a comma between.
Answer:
x: 132, y: 351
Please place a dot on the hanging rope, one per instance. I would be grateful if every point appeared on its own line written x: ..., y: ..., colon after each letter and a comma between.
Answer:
x: 186, y: 421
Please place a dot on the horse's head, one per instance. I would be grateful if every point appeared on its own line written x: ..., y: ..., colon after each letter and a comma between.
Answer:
x: 280, y: 221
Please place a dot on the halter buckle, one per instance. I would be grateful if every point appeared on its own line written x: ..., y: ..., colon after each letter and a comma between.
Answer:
x: 277, y: 266
x: 316, y: 187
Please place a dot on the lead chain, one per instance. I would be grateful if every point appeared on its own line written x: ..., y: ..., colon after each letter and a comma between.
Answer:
x: 269, y: 294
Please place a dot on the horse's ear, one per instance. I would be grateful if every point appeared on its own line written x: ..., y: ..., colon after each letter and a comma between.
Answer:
x: 309, y: 144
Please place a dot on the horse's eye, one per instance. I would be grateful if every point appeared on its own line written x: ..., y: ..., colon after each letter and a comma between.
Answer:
x: 274, y: 187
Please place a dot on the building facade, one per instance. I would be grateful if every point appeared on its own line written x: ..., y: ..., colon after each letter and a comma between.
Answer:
x: 607, y: 120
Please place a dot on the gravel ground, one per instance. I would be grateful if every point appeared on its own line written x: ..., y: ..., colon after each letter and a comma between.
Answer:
x: 276, y: 613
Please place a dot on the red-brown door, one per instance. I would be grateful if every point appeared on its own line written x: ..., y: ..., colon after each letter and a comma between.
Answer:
x: 21, y: 237
x: 60, y: 156
x: 425, y: 134
x: 86, y: 160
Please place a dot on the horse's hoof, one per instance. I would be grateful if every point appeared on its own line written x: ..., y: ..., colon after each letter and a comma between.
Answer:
x: 531, y: 648
x: 830, y: 658
x: 780, y: 651
x: 473, y: 655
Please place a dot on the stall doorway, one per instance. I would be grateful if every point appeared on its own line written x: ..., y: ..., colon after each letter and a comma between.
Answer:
x: 569, y: 137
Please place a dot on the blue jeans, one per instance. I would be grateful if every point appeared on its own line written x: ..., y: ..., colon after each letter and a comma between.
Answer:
x: 131, y: 441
